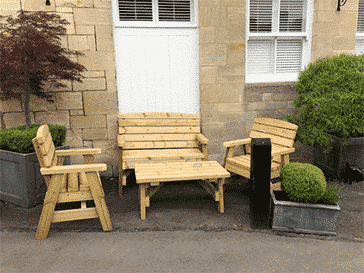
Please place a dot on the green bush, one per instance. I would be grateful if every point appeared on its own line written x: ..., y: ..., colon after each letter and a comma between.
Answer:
x: 19, y: 139
x: 332, y: 195
x: 303, y: 182
x: 330, y: 98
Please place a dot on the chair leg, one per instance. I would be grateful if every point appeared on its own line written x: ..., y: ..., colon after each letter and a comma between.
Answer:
x: 99, y: 199
x: 122, y: 180
x: 50, y: 201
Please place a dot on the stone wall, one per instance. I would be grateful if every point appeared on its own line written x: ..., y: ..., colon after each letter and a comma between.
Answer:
x: 89, y: 110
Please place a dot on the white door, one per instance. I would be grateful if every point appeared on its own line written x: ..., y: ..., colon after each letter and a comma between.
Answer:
x: 156, y: 55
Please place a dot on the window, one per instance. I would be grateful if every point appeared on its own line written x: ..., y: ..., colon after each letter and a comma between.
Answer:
x: 156, y: 13
x: 359, y: 45
x: 278, y: 39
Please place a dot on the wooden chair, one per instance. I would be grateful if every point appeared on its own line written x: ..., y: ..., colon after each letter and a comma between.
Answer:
x: 158, y: 138
x: 282, y: 135
x: 71, y: 183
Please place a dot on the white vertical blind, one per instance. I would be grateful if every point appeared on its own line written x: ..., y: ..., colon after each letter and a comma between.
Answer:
x: 260, y: 16
x: 288, y: 56
x: 135, y: 10
x: 174, y: 10
x: 261, y: 57
x: 291, y: 15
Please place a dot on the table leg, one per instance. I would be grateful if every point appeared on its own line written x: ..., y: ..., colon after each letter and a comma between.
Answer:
x: 221, y: 195
x: 143, y: 200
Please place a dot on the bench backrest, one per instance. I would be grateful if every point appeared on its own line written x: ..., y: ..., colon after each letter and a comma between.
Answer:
x: 281, y: 133
x: 159, y: 130
x: 44, y: 147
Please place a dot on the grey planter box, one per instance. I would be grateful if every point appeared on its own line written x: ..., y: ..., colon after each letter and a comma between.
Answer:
x: 21, y: 182
x: 333, y: 163
x: 303, y: 217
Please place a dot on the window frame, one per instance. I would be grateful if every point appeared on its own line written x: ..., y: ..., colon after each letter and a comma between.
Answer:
x: 306, y: 37
x: 156, y: 23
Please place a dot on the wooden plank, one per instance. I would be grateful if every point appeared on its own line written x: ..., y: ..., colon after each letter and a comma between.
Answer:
x: 78, y: 152
x: 73, y: 169
x: 157, y: 137
x: 274, y: 130
x: 159, y: 130
x: 142, y: 197
x: 74, y: 214
x: 48, y: 158
x: 46, y: 146
x: 238, y: 170
x: 158, y: 115
x: 43, y: 130
x: 161, y: 145
x: 74, y: 196
x: 83, y: 180
x: 159, y: 122
x: 64, y: 184
x: 236, y: 142
x: 221, y: 195
x: 277, y: 123
x: 274, y: 139
x: 72, y: 182
x: 134, y: 155
x: 131, y: 165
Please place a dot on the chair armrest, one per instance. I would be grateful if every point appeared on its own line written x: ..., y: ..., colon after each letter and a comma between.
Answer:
x: 121, y: 141
x: 283, y: 151
x: 78, y: 152
x: 238, y: 142
x: 202, y: 138
x: 74, y: 169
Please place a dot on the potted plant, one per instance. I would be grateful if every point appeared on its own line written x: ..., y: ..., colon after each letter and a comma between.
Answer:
x: 329, y: 112
x: 31, y: 55
x: 305, y: 204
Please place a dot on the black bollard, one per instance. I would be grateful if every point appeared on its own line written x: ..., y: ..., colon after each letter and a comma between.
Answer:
x: 260, y: 168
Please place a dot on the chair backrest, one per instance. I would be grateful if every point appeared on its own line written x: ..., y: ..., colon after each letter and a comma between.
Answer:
x: 159, y: 130
x: 281, y: 133
x: 44, y: 147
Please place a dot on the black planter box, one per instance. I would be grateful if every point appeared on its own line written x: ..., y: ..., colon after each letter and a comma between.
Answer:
x: 21, y: 182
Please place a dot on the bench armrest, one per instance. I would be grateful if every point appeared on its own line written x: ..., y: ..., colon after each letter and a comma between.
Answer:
x: 238, y: 142
x: 283, y: 151
x: 202, y: 138
x: 74, y: 169
x: 78, y: 152
x: 121, y: 141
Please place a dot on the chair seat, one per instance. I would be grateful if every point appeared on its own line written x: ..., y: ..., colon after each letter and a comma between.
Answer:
x: 132, y: 157
x: 241, y: 165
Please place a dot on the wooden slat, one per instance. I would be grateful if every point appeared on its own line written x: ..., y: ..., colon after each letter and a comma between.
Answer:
x: 158, y: 137
x: 73, y: 182
x: 74, y: 214
x: 159, y: 122
x: 43, y: 130
x: 78, y: 152
x: 47, y: 144
x: 161, y: 145
x: 158, y: 115
x: 274, y: 139
x: 274, y: 130
x: 73, y: 169
x: 74, y: 196
x: 131, y: 165
x: 159, y: 130
x: 277, y: 123
x: 134, y: 155
x: 236, y: 142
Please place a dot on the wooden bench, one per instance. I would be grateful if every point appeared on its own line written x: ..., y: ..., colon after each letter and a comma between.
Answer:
x: 158, y: 138
x: 282, y: 135
x: 71, y: 183
x: 156, y: 174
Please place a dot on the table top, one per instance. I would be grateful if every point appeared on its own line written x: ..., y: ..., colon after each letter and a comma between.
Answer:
x: 176, y: 171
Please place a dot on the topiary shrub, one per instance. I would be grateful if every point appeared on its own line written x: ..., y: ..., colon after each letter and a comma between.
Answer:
x: 332, y: 195
x: 303, y: 182
x: 330, y: 99
x: 19, y: 139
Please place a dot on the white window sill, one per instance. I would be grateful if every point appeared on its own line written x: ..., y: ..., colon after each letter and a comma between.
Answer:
x: 259, y: 78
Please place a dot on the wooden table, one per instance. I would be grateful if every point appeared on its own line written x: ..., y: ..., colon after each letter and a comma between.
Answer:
x: 155, y: 174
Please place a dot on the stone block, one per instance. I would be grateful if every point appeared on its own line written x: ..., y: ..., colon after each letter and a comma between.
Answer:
x: 326, y: 29
x: 112, y: 125
x: 11, y: 7
x: 88, y: 121
x: 232, y: 3
x: 74, y: 138
x: 344, y: 43
x: 69, y: 100
x: 326, y: 16
x: 94, y: 134
x: 214, y: 147
x: 95, y: 16
x: 231, y: 70
x: 284, y: 96
x: 109, y: 152
x: 206, y: 35
x: 11, y: 105
x: 75, y: 3
x: 94, y: 74
x: 98, y: 60
x: 102, y: 4
x: 230, y: 107
x: 41, y: 104
x: 53, y: 117
x: 322, y: 44
x: 290, y: 104
x: 213, y: 3
x: 205, y: 16
x: 208, y: 74
x: 234, y: 129
x: 219, y: 16
x: 236, y: 20
x: 230, y: 117
x: 96, y: 102
x: 267, y: 96
x: 85, y: 30
x: 76, y: 113
x: 48, y: 87
x: 87, y: 143
x: 36, y: 5
x: 90, y: 84
x: 236, y: 10
x: 208, y: 111
x: 220, y: 93
x: 212, y: 54
x: 256, y: 105
x: 64, y: 10
x: 82, y: 42
x: 236, y: 55
x: 16, y: 119
x: 276, y: 105
x: 70, y: 28
x: 231, y: 79
x: 230, y: 34
x: 213, y: 130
